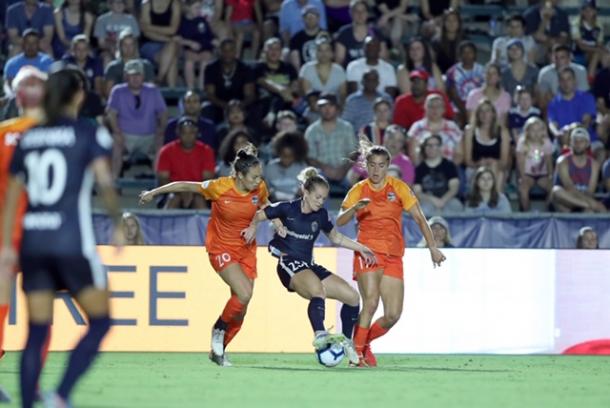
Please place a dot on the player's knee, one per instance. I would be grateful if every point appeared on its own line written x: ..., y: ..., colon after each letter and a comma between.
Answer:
x: 244, y: 295
x: 353, y: 298
x: 370, y: 305
x: 391, y: 317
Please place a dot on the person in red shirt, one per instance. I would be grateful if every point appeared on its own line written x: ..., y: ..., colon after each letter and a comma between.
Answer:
x: 409, y: 108
x: 185, y: 159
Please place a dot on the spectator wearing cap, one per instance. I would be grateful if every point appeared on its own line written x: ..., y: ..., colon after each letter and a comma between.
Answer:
x: 331, y: 141
x: 291, y: 21
x: 31, y: 55
x: 549, y: 25
x: 515, y: 31
x: 159, y: 44
x: 518, y: 72
x: 110, y: 25
x: 463, y: 77
x: 587, y: 238
x: 349, y: 40
x: 290, y: 151
x: 29, y: 14
x: 576, y: 177
x: 92, y: 67
x: 409, y: 108
x: 71, y: 19
x: 371, y: 60
x: 185, y: 159
x: 137, y: 115
x: 322, y: 74
x: 227, y: 78
x: 440, y: 231
x: 303, y: 43
x: 588, y: 36
x: 358, y: 110
x: 548, y: 78
x: 128, y: 51
x: 492, y: 91
x: 573, y: 106
x: 191, y: 103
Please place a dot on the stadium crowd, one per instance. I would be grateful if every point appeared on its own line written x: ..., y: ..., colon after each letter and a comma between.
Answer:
x: 305, y: 79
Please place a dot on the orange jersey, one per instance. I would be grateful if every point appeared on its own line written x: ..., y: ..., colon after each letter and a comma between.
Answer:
x: 10, y: 133
x: 380, y: 222
x: 232, y: 211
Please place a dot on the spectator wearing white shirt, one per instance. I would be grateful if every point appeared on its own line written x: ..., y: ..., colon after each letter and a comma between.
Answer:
x: 371, y: 60
x: 516, y: 31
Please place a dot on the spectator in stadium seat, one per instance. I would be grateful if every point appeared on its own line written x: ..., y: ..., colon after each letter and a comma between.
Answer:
x: 573, y: 106
x: 227, y: 78
x: 549, y: 25
x: 515, y: 31
x: 31, y: 55
x: 159, y: 22
x: 521, y: 112
x: 290, y: 151
x: 548, y: 78
x: 331, y: 141
x: 409, y: 108
x: 229, y: 147
x: 191, y: 103
x: 110, y: 25
x: 271, y: 15
x: 434, y: 122
x: 446, y: 44
x: 286, y: 121
x: 291, y: 21
x: 440, y: 231
x: 71, y: 19
x: 322, y: 74
x: 487, y: 143
x: 588, y: 36
x: 196, y: 37
x: 395, y: 19
x: 587, y: 238
x: 235, y: 115
x: 29, y: 15
x: 484, y: 197
x: 80, y: 55
x: 137, y: 115
x: 132, y: 230
x: 358, y: 110
x: 419, y: 58
x: 576, y: 177
x: 534, y: 160
x: 492, y: 91
x: 517, y: 72
x: 463, y: 77
x: 128, y: 50
x: 185, y: 159
x: 432, y: 10
x: 437, y: 180
x: 349, y: 40
x: 371, y: 60
x: 277, y: 82
x: 303, y: 43
x: 245, y: 18
x: 382, y: 118
x: 312, y: 111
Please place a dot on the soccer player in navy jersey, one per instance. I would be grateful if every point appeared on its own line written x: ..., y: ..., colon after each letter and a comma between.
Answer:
x: 57, y: 163
x: 302, y: 220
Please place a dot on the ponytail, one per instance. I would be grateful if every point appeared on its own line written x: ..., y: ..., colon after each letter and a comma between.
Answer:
x: 310, y: 177
x: 245, y: 159
x: 367, y: 149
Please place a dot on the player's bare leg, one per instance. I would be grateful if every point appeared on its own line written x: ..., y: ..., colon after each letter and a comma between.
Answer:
x: 369, y: 285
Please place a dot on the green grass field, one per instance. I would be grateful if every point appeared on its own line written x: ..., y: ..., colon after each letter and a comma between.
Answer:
x: 296, y: 380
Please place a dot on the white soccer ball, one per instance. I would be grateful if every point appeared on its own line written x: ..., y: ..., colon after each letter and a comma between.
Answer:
x: 331, y: 355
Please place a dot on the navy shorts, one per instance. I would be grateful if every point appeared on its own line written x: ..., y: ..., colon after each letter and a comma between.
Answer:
x: 55, y: 273
x: 287, y: 267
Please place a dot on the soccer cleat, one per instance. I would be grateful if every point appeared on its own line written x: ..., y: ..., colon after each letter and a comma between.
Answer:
x: 4, y: 397
x: 369, y: 357
x: 220, y: 360
x: 2, y: 354
x: 350, y: 351
x: 321, y: 339
x: 52, y: 400
x: 218, y: 342
x: 226, y: 362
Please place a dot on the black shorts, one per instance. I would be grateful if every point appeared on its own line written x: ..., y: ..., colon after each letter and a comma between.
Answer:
x: 72, y: 273
x: 287, y: 267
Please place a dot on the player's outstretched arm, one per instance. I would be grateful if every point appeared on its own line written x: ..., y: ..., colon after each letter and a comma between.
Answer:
x: 103, y: 177
x: 342, y: 241
x: 437, y: 256
x: 8, y: 255
x: 346, y: 214
x: 174, y: 187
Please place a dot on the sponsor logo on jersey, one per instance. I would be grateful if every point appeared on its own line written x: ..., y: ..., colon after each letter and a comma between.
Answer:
x: 255, y: 200
x: 391, y: 196
x: 314, y: 226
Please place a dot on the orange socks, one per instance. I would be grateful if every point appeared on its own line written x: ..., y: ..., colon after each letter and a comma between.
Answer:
x: 232, y: 329
x: 3, y: 314
x: 233, y: 310
x: 376, y: 331
x: 361, y: 335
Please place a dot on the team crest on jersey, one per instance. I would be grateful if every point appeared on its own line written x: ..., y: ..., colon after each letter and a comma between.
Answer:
x: 314, y: 226
x: 391, y: 196
x: 255, y: 200
x: 11, y: 138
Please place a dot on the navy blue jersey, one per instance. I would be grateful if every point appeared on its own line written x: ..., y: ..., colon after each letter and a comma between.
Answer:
x: 54, y: 164
x: 302, y: 229
x: 197, y: 29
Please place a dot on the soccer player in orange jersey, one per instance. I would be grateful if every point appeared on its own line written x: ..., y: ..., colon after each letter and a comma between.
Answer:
x: 378, y: 203
x: 235, y: 200
x: 28, y: 86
